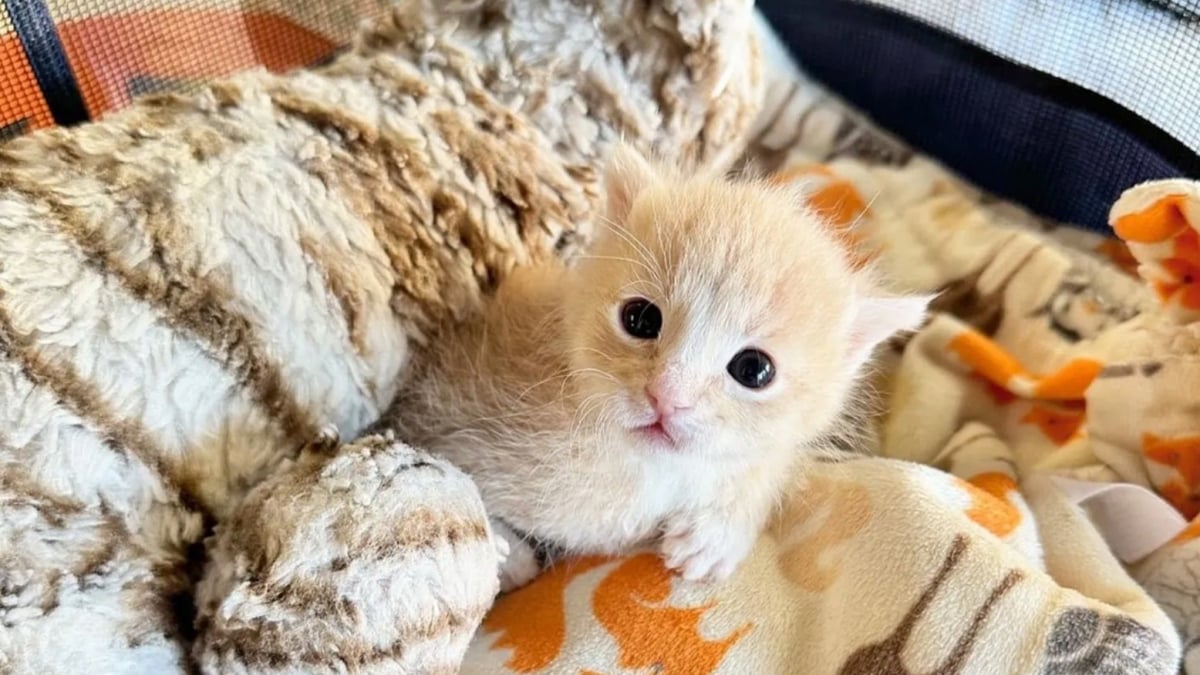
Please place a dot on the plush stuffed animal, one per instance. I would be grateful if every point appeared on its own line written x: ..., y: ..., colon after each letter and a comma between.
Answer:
x: 196, y: 289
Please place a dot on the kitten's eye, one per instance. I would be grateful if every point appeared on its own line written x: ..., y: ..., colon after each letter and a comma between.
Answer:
x: 751, y: 368
x: 641, y: 319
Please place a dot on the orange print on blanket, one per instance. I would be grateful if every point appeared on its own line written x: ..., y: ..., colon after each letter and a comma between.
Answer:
x: 1070, y: 382
x: 832, y: 512
x: 1163, y: 220
x: 839, y: 202
x: 532, y: 619
x: 991, y: 362
x: 985, y: 357
x: 1000, y: 396
x: 1182, y: 454
x: 1192, y: 531
x: 991, y: 507
x: 1183, y: 268
x: 1061, y: 423
x: 630, y: 604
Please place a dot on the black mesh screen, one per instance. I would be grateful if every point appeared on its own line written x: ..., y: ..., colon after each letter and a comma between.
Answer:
x: 1141, y: 54
x: 1057, y: 105
x: 65, y: 61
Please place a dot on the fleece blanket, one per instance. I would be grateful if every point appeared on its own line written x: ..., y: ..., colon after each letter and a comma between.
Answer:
x: 1026, y: 510
x: 978, y: 545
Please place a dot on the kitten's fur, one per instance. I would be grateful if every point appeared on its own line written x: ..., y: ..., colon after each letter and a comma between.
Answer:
x: 541, y: 401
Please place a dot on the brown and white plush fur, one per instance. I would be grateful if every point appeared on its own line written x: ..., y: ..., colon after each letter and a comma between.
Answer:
x: 193, y: 288
x: 552, y: 407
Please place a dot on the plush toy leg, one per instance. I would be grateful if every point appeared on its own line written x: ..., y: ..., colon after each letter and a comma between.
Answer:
x: 84, y: 590
x: 380, y: 559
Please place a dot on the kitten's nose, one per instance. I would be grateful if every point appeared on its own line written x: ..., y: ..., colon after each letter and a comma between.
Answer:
x: 663, y: 399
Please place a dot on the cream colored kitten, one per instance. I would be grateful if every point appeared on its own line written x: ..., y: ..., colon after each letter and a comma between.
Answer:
x: 667, y: 385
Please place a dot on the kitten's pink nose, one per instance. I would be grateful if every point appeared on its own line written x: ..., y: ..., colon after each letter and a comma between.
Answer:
x: 664, y: 399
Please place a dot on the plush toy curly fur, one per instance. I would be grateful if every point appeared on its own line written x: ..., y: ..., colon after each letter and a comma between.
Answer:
x: 193, y: 290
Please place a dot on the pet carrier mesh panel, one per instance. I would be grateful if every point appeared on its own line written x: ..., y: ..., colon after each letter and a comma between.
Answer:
x: 66, y: 61
x: 1059, y: 105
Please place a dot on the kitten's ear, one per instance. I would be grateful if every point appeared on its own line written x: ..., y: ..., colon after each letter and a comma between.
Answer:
x: 877, y: 318
x: 626, y: 175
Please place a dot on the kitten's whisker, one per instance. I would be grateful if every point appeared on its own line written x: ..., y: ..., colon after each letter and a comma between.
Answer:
x: 593, y: 350
x: 563, y: 372
x: 853, y: 225
x: 562, y: 392
x: 628, y: 237
x: 651, y: 263
x: 655, y: 288
x: 510, y: 416
x: 585, y: 408
x: 617, y: 258
x: 594, y: 371
x: 584, y: 413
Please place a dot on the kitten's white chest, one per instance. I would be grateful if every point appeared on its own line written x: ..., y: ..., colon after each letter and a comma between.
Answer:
x: 602, y: 506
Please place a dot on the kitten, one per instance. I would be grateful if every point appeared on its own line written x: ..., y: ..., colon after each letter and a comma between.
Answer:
x: 666, y: 385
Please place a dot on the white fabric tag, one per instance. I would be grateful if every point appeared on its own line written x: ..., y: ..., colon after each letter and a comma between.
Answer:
x: 1133, y: 520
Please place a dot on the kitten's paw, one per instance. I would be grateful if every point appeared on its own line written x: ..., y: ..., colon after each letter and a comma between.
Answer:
x: 502, y: 548
x: 705, y: 551
x: 520, y: 568
x: 518, y: 560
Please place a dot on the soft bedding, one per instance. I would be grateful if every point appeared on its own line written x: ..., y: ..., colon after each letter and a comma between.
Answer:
x: 1028, y: 509
x: 1045, y: 378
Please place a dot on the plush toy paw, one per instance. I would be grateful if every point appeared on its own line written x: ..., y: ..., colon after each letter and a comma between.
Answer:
x: 518, y: 560
x: 706, y: 549
x: 388, y: 532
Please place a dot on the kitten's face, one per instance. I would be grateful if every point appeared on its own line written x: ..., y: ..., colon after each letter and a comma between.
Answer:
x: 714, y: 318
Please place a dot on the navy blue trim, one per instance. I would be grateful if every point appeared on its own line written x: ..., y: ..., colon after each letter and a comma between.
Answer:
x: 34, y: 26
x: 1061, y: 150
x: 13, y: 129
